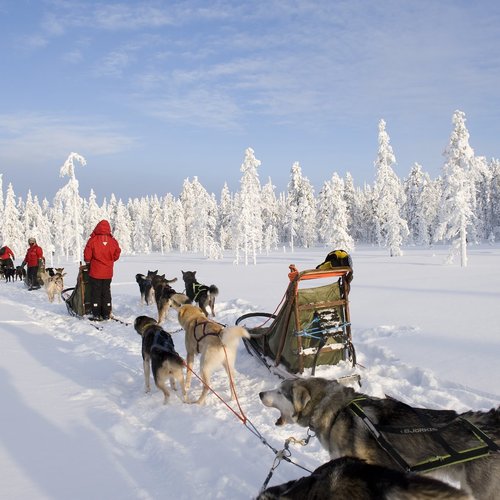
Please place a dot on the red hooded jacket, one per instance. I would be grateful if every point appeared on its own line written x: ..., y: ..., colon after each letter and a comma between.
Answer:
x: 101, y: 251
x: 7, y: 253
x: 33, y: 255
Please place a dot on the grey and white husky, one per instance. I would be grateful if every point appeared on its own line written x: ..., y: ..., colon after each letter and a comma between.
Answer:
x: 418, y: 435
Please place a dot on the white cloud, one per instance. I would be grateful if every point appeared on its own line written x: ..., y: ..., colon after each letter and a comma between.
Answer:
x: 73, y: 56
x: 294, y: 61
x: 198, y: 107
x: 49, y: 138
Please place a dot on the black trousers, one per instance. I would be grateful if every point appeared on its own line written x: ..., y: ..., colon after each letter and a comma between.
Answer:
x: 32, y: 276
x: 100, y: 297
x: 7, y: 262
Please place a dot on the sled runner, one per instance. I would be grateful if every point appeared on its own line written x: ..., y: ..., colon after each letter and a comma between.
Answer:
x: 312, y: 327
x: 77, y: 299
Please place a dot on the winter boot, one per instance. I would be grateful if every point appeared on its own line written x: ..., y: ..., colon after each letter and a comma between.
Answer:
x: 96, y: 313
x: 106, y: 311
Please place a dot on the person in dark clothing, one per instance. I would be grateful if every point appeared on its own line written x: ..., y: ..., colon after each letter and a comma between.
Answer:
x: 34, y: 258
x: 101, y: 252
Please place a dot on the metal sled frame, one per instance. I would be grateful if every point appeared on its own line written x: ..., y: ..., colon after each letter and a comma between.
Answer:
x: 295, y: 336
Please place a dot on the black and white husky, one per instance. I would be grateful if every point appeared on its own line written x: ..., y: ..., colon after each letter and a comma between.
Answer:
x: 203, y: 295
x: 160, y: 357
x: 146, y: 286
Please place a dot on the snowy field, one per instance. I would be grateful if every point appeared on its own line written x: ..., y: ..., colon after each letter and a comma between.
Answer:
x: 76, y: 423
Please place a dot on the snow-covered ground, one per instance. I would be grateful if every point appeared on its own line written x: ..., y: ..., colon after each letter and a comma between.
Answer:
x: 76, y: 423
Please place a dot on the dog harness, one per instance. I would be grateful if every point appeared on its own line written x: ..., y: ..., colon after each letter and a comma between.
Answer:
x: 486, y: 446
x: 204, y: 333
x: 198, y: 288
x: 162, y: 342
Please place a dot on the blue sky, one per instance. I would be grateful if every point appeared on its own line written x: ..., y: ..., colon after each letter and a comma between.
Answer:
x: 152, y: 92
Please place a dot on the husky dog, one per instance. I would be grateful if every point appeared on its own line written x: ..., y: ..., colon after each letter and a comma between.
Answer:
x: 20, y: 273
x: 418, y: 435
x: 349, y: 477
x: 9, y: 273
x: 203, y: 295
x: 146, y: 286
x: 216, y: 343
x: 54, y: 283
x: 159, y: 354
x: 163, y: 294
x: 52, y: 271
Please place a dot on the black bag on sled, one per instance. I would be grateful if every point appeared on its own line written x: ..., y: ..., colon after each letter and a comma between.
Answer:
x: 337, y: 258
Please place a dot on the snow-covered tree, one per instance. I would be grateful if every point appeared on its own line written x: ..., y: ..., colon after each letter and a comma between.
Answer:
x: 200, y: 215
x: 367, y: 231
x: 301, y: 209
x: 495, y: 199
x: 270, y: 217
x: 431, y: 196
x: 456, y: 214
x: 225, y: 218
x: 71, y: 202
x: 189, y: 210
x: 417, y: 212
x: 333, y: 216
x: 161, y: 237
x: 141, y: 220
x: 42, y: 229
x: 122, y: 228
x: 388, y: 197
x: 247, y: 222
x: 13, y: 234
x: 2, y: 206
x: 481, y: 176
x: 58, y: 226
x: 28, y: 216
x: 110, y: 209
x: 282, y: 218
x: 179, y: 228
x: 174, y: 232
x: 92, y: 215
x: 350, y: 201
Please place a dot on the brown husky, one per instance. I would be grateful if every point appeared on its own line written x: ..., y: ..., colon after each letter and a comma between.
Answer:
x: 164, y: 293
x: 216, y: 343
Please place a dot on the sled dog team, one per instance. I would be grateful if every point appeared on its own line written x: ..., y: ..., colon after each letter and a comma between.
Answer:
x: 360, y: 467
x: 217, y: 344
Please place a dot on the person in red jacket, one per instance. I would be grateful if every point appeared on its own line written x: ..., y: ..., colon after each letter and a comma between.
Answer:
x: 34, y: 257
x: 6, y: 257
x: 101, y: 252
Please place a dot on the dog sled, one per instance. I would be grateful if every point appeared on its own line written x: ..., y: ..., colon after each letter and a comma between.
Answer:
x: 312, y: 325
x: 39, y: 280
x: 77, y: 299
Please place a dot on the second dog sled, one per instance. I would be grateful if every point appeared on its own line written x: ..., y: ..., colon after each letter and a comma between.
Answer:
x: 312, y: 325
x: 77, y: 299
